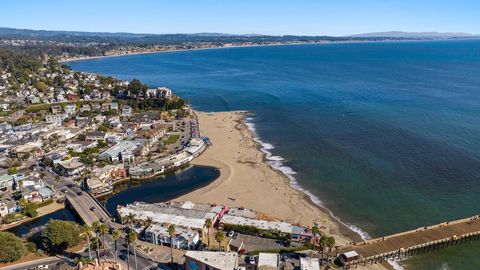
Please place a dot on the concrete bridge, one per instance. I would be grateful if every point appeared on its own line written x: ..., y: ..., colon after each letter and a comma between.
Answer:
x: 402, y: 245
x: 87, y: 207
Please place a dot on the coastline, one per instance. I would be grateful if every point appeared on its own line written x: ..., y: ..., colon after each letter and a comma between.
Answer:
x: 192, y: 49
x: 247, y: 177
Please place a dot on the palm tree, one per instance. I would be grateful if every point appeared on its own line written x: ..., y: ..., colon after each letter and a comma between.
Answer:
x: 96, y: 229
x: 86, y: 232
x: 322, y: 242
x: 131, y: 238
x: 130, y: 218
x: 147, y: 224
x: 315, y: 232
x: 128, y: 241
x: 116, y: 236
x: 219, y: 236
x: 208, y: 225
x: 103, y: 230
x: 171, y: 232
x: 330, y: 244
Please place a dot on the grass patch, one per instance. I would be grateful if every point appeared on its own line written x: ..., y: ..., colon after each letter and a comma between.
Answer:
x: 172, y: 139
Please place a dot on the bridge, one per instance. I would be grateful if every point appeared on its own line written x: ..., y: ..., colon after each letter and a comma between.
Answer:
x: 402, y: 245
x: 87, y: 207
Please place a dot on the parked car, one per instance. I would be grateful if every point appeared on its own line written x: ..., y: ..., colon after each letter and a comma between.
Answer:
x: 251, y: 260
x: 123, y: 257
x: 231, y: 233
x: 42, y: 267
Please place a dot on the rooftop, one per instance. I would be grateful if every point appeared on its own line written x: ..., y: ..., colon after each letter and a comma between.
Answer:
x: 218, y: 260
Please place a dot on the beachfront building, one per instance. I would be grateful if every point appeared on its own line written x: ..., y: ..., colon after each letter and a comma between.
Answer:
x: 195, y: 147
x: 181, y: 214
x: 185, y: 238
x: 209, y: 260
x: 247, y: 217
x: 145, y: 170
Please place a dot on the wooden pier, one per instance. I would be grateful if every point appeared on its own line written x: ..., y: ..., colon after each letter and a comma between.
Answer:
x: 425, y: 239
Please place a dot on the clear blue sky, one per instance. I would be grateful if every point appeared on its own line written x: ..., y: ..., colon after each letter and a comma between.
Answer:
x: 314, y: 17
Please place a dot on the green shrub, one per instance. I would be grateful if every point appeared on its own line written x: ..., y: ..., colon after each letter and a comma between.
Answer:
x: 12, y: 248
x: 60, y: 235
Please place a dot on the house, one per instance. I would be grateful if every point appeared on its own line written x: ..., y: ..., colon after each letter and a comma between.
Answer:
x: 30, y: 194
x: 85, y: 108
x: 3, y: 209
x: 348, y: 257
x: 45, y: 192
x: 55, y: 118
x: 209, y: 260
x: 70, y: 167
x: 184, y: 238
x: 80, y: 146
x: 6, y: 181
x: 70, y: 108
x: 96, y: 136
x: 4, y: 106
x: 69, y: 123
x: 72, y: 97
x: 114, y: 106
x: 165, y: 92
x: 126, y: 110
x: 54, y: 109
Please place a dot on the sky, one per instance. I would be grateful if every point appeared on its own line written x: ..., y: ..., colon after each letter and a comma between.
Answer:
x: 273, y: 17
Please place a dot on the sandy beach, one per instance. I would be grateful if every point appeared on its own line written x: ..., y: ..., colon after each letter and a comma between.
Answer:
x: 251, y: 182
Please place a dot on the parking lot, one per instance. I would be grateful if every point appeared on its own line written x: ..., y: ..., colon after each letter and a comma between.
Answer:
x: 251, y: 243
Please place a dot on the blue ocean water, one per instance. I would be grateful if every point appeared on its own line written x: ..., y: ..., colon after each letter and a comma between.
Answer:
x: 385, y: 134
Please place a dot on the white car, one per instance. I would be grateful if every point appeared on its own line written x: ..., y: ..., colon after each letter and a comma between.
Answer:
x: 231, y: 234
x: 42, y: 267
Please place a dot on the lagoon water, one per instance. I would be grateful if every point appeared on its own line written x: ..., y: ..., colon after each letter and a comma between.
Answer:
x: 386, y: 135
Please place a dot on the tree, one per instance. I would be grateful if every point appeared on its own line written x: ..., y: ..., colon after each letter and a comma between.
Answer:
x: 13, y: 170
x: 171, y: 232
x: 208, y: 225
x: 41, y: 86
x: 60, y: 235
x: 219, y: 236
x: 103, y: 230
x: 147, y: 224
x: 12, y: 248
x: 315, y: 232
x: 96, y: 229
x: 87, y: 232
x: 131, y: 238
x: 130, y: 218
x: 330, y: 244
x: 30, y: 210
x: 322, y: 242
x: 116, y: 235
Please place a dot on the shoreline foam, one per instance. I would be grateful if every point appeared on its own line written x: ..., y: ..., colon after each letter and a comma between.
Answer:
x: 276, y: 162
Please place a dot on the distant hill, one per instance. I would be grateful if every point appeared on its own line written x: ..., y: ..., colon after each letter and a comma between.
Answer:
x: 400, y: 34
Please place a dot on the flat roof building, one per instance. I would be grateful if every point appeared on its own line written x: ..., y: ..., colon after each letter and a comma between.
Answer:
x: 203, y: 260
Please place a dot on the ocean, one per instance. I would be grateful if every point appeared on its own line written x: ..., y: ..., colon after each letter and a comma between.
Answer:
x: 385, y: 135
